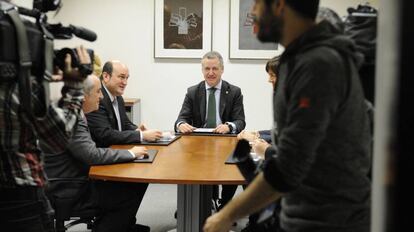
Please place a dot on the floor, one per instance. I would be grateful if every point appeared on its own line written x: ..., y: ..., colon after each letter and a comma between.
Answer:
x: 157, y: 210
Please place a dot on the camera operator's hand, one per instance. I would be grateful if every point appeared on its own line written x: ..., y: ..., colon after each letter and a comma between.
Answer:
x: 84, y: 57
x: 78, y: 73
x: 218, y: 222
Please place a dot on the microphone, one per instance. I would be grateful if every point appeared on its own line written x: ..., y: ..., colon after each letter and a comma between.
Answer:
x: 83, y: 33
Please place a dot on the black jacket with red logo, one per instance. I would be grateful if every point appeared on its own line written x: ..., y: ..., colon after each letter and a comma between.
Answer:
x: 322, y: 136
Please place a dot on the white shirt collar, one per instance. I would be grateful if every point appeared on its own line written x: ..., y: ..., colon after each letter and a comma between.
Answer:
x: 218, y: 86
x: 109, y: 93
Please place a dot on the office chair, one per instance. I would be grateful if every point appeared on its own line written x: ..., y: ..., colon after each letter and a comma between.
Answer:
x: 64, y: 195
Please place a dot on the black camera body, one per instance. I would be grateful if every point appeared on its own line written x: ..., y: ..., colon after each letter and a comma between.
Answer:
x: 9, y: 56
x: 267, y: 218
x: 27, y: 52
x: 248, y: 167
x: 36, y: 33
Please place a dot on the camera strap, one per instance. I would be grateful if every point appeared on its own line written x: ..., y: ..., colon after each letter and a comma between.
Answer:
x: 24, y: 64
x: 48, y: 62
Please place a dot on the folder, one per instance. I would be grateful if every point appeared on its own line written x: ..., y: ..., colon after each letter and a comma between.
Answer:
x: 161, y: 142
x: 148, y: 158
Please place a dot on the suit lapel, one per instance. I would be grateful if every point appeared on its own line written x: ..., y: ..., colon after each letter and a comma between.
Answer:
x: 202, y: 96
x: 108, y: 105
x: 223, y: 98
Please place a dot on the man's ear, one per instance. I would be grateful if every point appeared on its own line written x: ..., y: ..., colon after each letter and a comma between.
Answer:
x: 105, y: 77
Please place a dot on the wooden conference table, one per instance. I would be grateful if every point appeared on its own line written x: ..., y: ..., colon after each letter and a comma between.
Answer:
x: 193, y: 162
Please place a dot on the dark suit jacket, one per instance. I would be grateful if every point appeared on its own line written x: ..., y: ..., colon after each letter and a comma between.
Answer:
x: 231, y: 108
x: 104, y: 127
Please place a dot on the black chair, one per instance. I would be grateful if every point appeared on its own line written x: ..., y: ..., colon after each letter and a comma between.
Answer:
x: 64, y: 195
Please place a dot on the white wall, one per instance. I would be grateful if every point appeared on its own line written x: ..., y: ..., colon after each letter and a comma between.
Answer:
x: 125, y: 31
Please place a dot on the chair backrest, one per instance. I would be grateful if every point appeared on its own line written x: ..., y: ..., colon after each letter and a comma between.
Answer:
x: 68, y: 197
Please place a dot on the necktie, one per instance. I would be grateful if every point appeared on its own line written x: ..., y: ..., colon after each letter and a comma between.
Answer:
x: 211, y: 109
x: 116, y: 109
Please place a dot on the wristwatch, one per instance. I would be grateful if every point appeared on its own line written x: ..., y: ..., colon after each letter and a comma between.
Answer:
x: 230, y: 126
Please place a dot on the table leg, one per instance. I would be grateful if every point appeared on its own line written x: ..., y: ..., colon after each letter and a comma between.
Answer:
x: 193, y: 207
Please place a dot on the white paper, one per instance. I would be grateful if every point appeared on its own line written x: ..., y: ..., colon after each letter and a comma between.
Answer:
x: 204, y: 130
x: 167, y: 136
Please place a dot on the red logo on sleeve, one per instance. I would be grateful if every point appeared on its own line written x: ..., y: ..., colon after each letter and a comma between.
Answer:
x: 304, y: 102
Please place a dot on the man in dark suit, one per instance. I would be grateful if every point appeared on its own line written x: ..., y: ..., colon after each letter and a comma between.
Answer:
x: 110, y: 125
x: 226, y: 114
x: 213, y: 103
x: 117, y: 202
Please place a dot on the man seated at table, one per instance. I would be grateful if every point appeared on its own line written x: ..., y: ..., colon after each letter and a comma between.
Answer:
x: 109, y: 125
x: 116, y: 202
x: 213, y: 103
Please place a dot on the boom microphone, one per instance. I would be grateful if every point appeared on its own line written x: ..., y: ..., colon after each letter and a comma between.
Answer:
x: 83, y: 33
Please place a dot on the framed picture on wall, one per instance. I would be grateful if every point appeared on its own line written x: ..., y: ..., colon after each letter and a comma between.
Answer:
x: 243, y: 41
x: 182, y: 28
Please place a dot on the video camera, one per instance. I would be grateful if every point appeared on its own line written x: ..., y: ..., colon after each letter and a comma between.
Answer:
x: 26, y: 47
x: 249, y: 167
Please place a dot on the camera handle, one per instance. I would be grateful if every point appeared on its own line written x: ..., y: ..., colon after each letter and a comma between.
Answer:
x: 24, y: 64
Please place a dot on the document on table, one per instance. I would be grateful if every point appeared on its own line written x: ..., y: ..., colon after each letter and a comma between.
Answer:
x: 167, y: 136
x: 149, y: 158
x: 204, y: 130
